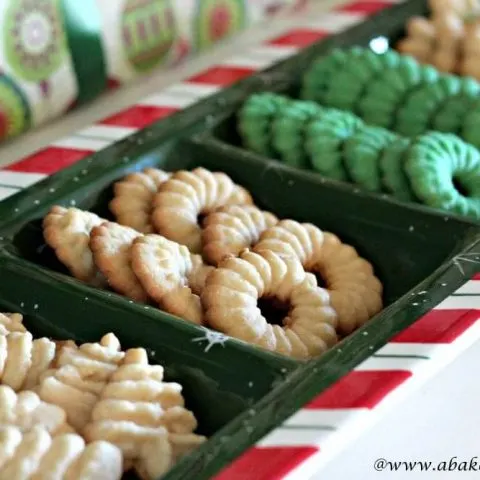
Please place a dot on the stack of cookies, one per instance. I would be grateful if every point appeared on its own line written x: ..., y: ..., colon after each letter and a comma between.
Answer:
x: 449, y: 39
x: 394, y: 92
x: 340, y: 146
x: 215, y: 257
x: 86, y: 412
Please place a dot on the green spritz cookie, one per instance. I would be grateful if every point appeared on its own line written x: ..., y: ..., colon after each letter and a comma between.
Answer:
x: 444, y: 172
x: 324, y: 142
x: 392, y: 162
x: 288, y: 131
x: 469, y: 130
x: 352, y: 78
x: 323, y: 71
x: 451, y: 116
x: 362, y: 152
x: 344, y: 92
x: 417, y: 112
x: 406, y: 74
x: 255, y: 119
x: 387, y: 93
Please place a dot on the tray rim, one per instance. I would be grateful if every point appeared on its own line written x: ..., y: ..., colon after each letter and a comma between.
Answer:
x: 147, y: 129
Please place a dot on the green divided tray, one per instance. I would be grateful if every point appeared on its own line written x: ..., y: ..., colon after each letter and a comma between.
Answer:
x: 238, y: 392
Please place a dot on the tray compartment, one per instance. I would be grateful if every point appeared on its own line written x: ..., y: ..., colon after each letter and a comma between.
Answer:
x: 390, y: 27
x: 405, y: 244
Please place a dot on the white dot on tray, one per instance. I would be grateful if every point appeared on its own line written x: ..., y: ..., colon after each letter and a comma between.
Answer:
x: 411, y: 228
x: 36, y: 202
x: 35, y: 307
x: 51, y: 190
x: 22, y: 304
x: 250, y: 384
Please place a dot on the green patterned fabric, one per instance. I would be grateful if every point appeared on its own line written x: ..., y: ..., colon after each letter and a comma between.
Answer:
x: 56, y: 54
x: 149, y: 46
x: 34, y: 38
x: 217, y: 19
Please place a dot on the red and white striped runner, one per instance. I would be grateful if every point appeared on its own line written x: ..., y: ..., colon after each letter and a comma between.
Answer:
x: 292, y: 451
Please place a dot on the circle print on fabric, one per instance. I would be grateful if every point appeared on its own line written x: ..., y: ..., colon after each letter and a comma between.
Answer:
x: 217, y: 19
x: 34, y: 39
x: 148, y: 32
x: 14, y: 109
